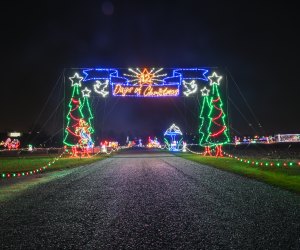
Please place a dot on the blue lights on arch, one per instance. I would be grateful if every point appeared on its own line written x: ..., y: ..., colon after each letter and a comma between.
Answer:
x: 118, y: 81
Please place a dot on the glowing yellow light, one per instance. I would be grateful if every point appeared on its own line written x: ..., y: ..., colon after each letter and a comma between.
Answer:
x: 145, y: 76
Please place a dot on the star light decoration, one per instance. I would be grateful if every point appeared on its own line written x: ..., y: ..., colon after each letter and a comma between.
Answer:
x: 86, y: 92
x: 214, y: 79
x: 205, y: 91
x: 76, y: 80
x: 101, y: 88
x: 191, y: 87
x: 145, y: 76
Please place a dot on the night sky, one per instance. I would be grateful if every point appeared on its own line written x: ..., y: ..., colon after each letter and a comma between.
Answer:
x: 254, y: 43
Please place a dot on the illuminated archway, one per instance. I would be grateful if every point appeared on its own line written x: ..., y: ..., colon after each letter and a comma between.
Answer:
x: 143, y: 83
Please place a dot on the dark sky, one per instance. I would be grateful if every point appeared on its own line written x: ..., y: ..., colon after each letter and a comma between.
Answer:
x: 256, y: 43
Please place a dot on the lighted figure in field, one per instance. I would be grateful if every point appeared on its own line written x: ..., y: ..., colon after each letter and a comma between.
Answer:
x: 153, y: 143
x: 175, y: 138
x: 204, y: 121
x: 11, y: 144
x: 30, y: 148
x: 217, y: 129
x: 75, y: 114
x: 85, y: 141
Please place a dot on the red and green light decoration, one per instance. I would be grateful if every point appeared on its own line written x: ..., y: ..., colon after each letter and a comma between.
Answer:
x: 86, y: 109
x: 213, y: 130
x: 264, y: 163
x: 79, y: 112
x: 34, y: 171
x: 75, y: 114
x: 204, y: 121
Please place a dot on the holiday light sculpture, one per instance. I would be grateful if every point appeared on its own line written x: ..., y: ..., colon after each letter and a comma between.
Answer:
x: 190, y: 87
x: 11, y: 144
x: 75, y: 114
x: 101, y: 88
x: 217, y: 129
x: 136, y: 82
x: 204, y: 121
x: 85, y: 141
x: 153, y: 143
x: 175, y: 138
x: 145, y: 76
x: 86, y: 109
x: 143, y: 82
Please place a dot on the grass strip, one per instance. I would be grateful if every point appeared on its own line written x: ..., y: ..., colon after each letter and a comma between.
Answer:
x: 284, y: 177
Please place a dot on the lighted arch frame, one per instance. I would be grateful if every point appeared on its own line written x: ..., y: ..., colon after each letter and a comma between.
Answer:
x: 143, y: 82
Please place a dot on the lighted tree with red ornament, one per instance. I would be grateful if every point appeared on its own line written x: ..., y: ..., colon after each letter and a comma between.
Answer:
x: 217, y: 129
x: 75, y: 114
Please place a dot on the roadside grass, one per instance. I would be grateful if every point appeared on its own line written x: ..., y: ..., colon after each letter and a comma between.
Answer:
x: 284, y: 177
x: 9, y: 190
x: 23, y: 164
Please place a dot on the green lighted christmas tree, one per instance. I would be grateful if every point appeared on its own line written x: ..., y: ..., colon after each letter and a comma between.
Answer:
x: 204, y: 121
x: 217, y: 129
x: 74, y: 115
x: 86, y: 109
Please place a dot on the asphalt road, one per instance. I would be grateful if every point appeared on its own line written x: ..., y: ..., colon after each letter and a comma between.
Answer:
x: 151, y: 201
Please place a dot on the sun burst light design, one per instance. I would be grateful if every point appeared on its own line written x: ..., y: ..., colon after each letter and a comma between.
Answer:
x: 145, y: 76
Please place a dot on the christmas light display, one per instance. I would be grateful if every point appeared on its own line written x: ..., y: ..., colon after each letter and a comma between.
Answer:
x: 184, y: 146
x: 10, y: 144
x: 190, y: 87
x: 76, y: 80
x: 142, y: 82
x: 217, y: 130
x: 287, y: 138
x: 85, y: 141
x: 145, y: 76
x: 75, y: 114
x: 130, y: 82
x: 86, y: 109
x: 153, y: 143
x: 204, y: 121
x: 31, y: 172
x: 266, y: 163
x: 145, y: 91
x: 86, y: 92
x: 175, y: 138
x: 79, y: 120
x: 101, y: 88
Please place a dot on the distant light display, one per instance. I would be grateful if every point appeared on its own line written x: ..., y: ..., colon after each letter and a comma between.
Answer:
x: 153, y: 143
x: 14, y: 134
x: 10, y: 144
x: 173, y: 138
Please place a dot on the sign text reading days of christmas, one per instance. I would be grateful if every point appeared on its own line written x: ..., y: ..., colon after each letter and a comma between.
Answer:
x: 145, y: 90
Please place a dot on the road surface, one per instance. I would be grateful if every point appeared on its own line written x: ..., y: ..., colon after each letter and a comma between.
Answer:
x: 151, y: 201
